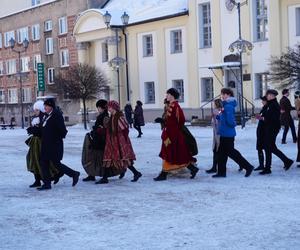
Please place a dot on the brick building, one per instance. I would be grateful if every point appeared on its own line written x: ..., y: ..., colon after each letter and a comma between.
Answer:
x: 48, y: 27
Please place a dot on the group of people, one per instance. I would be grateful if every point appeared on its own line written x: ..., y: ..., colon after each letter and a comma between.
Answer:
x: 107, y: 149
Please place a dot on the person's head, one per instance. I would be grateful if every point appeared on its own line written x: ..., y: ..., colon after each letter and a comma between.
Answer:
x: 101, y: 105
x: 226, y: 93
x: 172, y: 94
x: 264, y: 100
x: 113, y: 107
x: 139, y: 103
x: 49, y: 105
x: 286, y: 92
x: 38, y: 107
x: 271, y: 94
x: 218, y: 103
x: 297, y: 94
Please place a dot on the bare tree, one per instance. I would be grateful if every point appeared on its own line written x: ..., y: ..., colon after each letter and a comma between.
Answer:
x: 285, y: 70
x: 81, y: 81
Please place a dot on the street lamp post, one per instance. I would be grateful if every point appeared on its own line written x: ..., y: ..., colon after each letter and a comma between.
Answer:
x: 118, y: 61
x: 241, y: 46
x: 12, y: 44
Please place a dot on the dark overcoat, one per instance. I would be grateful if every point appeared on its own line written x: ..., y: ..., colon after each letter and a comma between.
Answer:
x: 128, y: 113
x: 53, y: 132
x: 138, y: 116
x: 260, y: 130
x: 286, y: 107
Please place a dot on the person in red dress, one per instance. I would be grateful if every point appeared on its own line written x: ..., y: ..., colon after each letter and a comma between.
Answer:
x: 118, y: 152
x: 174, y: 150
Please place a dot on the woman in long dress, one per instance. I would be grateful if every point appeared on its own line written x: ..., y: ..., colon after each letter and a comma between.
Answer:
x: 118, y: 152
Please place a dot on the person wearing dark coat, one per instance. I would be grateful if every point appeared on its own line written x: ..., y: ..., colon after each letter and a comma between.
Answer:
x: 138, y: 118
x: 53, y: 133
x: 271, y: 119
x: 227, y: 133
x: 128, y: 114
x: 260, y: 135
x: 285, y: 117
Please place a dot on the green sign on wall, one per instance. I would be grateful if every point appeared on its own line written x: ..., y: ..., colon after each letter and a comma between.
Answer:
x: 41, y: 76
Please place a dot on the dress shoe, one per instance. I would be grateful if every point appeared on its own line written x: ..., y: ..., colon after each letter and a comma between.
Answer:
x: 35, y: 184
x: 161, y: 177
x: 102, y: 181
x: 259, y: 168
x: 288, y: 165
x: 219, y: 176
x: 136, y: 177
x: 57, y: 177
x: 75, y: 178
x: 121, y: 176
x: 211, y: 171
x: 249, y: 171
x: 194, y: 170
x: 266, y: 171
x: 89, y: 178
x: 44, y: 187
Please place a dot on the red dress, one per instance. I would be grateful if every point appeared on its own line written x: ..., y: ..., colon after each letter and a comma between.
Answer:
x: 118, y: 152
x: 174, y: 150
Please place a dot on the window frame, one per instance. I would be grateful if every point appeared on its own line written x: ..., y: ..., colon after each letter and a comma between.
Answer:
x: 8, y: 67
x: 22, y: 34
x: 50, y: 72
x: 62, y: 54
x: 25, y: 61
x: 48, y: 50
x: 147, y: 45
x: 204, y: 81
x: 26, y: 95
x: 63, y: 25
x: 261, y: 35
x: 146, y: 89
x: 7, y: 36
x: 48, y: 23
x: 180, y: 90
x: 176, y: 42
x: 205, y: 27
x: 35, y: 32
x: 104, y: 52
x: 12, y: 99
x: 2, y: 96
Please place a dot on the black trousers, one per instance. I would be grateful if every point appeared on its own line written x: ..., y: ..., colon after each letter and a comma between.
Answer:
x: 226, y: 149
x: 45, y: 164
x: 138, y: 128
x: 271, y: 148
x: 286, y: 130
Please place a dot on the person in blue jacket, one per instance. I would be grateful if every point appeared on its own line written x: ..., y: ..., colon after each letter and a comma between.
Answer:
x: 227, y: 133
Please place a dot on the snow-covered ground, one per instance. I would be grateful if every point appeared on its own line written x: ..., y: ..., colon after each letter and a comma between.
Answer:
x: 259, y: 212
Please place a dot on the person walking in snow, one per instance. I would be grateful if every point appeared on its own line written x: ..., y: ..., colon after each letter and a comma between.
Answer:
x: 138, y: 118
x: 218, y: 105
x: 118, y: 152
x: 175, y: 152
x: 285, y: 116
x: 271, y: 119
x: 227, y: 134
x: 53, y: 133
x: 34, y: 143
x: 94, y: 144
x: 128, y: 114
x: 260, y: 135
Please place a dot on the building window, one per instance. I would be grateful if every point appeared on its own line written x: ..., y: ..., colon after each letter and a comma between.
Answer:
x: 178, y: 84
x: 149, y: 92
x: 261, y: 85
x: 22, y: 34
x: 26, y: 95
x: 49, y: 46
x: 205, y: 25
x: 36, y: 59
x: 2, y: 96
x: 0, y: 40
x: 12, y: 95
x: 176, y: 41
x: 35, y: 2
x: 35, y: 32
x: 63, y: 26
x: 25, y: 64
x: 51, y: 75
x: 147, y: 45
x: 104, y: 52
x: 298, y: 21
x: 261, y: 20
x: 1, y: 68
x: 48, y: 25
x: 207, y: 89
x: 7, y: 36
x: 64, y: 58
x: 11, y: 67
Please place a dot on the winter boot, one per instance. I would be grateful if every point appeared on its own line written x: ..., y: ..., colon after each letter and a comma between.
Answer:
x: 194, y: 170
x: 288, y: 164
x: 89, y: 178
x: 57, y: 177
x: 161, y: 177
x: 121, y: 176
x: 37, y: 182
x: 249, y: 171
x: 261, y: 161
x: 136, y: 174
x: 75, y: 178
x: 103, y: 180
x: 266, y: 171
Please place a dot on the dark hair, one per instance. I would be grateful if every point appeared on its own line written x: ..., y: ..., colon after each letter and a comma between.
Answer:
x: 285, y: 91
x: 263, y: 98
x: 101, y: 104
x: 50, y: 102
x: 139, y: 103
x: 272, y: 92
x: 218, y: 103
x: 173, y: 92
x: 227, y: 91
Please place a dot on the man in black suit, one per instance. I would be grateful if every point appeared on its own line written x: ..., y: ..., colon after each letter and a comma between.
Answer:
x: 53, y: 132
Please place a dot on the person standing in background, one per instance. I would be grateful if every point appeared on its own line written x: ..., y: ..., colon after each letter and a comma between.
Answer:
x: 128, y: 114
x: 138, y: 118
